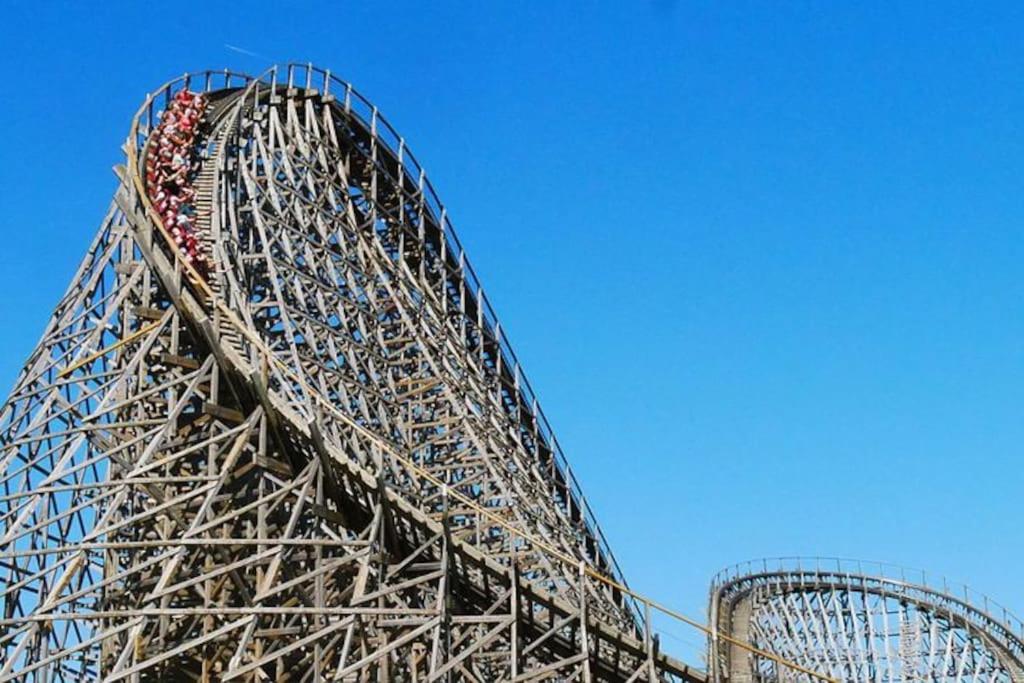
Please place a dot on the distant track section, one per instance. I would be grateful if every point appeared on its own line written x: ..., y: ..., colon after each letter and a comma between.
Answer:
x: 860, y: 621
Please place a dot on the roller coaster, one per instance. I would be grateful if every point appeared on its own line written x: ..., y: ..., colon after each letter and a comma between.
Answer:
x: 860, y: 621
x: 274, y: 430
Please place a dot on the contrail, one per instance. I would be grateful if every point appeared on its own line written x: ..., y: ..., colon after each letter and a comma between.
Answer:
x: 244, y: 51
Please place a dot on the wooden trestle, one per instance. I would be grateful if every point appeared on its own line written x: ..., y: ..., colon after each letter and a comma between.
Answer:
x: 260, y: 473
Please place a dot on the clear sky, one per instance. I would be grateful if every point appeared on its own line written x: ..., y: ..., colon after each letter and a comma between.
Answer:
x: 761, y: 261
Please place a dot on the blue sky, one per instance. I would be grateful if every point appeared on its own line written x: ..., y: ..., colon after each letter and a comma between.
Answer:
x: 760, y: 260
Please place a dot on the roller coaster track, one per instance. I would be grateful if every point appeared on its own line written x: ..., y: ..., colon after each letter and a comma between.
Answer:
x: 860, y: 621
x: 318, y: 461
x: 319, y: 458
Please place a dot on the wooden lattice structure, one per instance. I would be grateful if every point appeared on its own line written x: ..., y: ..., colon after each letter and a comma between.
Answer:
x: 859, y: 621
x: 276, y: 432
x: 317, y: 459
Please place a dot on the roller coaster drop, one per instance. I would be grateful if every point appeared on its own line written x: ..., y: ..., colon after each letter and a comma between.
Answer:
x: 274, y: 431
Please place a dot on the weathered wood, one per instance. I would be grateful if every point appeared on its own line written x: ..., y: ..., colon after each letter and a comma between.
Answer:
x: 182, y: 361
x: 222, y: 413
x: 324, y: 460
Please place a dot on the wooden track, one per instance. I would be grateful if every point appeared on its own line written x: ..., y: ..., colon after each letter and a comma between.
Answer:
x: 320, y: 462
x: 860, y: 621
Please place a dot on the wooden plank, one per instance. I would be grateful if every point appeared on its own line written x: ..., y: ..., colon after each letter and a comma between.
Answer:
x: 327, y: 513
x: 148, y: 312
x: 180, y: 361
x: 274, y: 465
x: 222, y: 413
